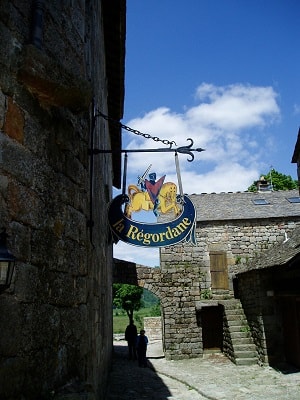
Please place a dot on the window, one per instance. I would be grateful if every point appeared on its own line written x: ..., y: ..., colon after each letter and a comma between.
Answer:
x: 294, y: 199
x: 260, y: 202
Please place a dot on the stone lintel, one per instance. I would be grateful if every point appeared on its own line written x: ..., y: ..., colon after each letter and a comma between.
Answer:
x: 209, y: 303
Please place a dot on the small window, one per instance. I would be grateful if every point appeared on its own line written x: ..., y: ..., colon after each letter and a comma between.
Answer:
x: 294, y: 199
x: 260, y: 202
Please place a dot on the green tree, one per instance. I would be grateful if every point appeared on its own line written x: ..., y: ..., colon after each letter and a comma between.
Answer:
x: 127, y: 297
x: 278, y: 180
x: 149, y: 298
x: 155, y: 310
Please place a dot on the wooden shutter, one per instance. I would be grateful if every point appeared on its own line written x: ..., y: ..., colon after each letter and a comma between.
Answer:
x: 218, y: 270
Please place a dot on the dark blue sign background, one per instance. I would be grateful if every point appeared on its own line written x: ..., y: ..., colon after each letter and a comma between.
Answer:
x: 155, y: 234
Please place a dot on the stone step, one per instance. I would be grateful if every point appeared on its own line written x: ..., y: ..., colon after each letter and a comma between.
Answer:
x: 242, y: 341
x: 220, y: 292
x: 236, y: 320
x: 232, y: 301
x: 238, y: 328
x: 231, y: 305
x: 245, y: 347
x: 239, y: 335
x: 233, y: 311
x: 219, y: 297
x: 244, y: 354
x: 246, y: 361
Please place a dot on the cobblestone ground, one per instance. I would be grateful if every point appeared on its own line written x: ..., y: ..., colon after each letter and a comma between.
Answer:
x: 214, y: 378
x: 130, y: 382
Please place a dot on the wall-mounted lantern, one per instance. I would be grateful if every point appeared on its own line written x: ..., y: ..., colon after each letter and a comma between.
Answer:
x: 7, y: 263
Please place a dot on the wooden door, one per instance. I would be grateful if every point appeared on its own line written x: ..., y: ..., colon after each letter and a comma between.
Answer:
x: 218, y: 270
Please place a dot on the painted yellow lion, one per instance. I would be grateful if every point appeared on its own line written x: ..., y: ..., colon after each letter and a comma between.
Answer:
x: 140, y: 200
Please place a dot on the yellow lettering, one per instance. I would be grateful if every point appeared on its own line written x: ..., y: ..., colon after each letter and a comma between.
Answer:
x: 162, y: 234
x: 169, y: 234
x: 119, y: 226
x: 175, y: 231
x: 155, y: 237
x: 147, y: 238
x: 132, y: 232
x: 181, y: 227
x: 186, y: 221
x: 140, y: 236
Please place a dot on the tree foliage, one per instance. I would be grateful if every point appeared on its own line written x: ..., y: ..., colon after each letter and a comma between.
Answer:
x: 278, y: 180
x: 128, y: 297
x: 149, y: 298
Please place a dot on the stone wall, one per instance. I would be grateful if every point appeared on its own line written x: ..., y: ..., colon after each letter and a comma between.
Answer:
x: 55, y: 320
x: 251, y: 291
x: 153, y: 328
x: 185, y: 277
x: 180, y: 289
x: 262, y: 314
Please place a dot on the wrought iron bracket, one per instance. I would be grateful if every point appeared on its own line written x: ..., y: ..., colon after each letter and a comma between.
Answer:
x: 182, y: 150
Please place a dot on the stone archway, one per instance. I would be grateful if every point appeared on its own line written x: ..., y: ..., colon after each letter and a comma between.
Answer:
x: 135, y: 274
x: 146, y: 277
x: 178, y: 291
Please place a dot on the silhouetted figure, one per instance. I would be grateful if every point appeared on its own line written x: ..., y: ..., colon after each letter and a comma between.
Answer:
x: 141, y: 346
x: 131, y: 337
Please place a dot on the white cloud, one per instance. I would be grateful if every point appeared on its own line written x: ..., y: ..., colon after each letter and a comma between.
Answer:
x: 235, y: 107
x: 228, y: 122
x: 140, y: 255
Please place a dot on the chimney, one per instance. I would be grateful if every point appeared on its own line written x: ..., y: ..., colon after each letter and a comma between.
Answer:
x: 263, y: 185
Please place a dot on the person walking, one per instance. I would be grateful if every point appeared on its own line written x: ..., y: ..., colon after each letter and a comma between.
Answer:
x: 141, y: 345
x: 131, y: 337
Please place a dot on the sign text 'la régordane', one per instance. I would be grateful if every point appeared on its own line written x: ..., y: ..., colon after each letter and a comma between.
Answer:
x: 140, y: 234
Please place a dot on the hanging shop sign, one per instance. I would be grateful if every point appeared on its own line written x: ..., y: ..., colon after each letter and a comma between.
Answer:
x: 159, y: 197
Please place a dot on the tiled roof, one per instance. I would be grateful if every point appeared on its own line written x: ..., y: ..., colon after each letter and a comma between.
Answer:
x: 240, y: 205
x: 285, y: 253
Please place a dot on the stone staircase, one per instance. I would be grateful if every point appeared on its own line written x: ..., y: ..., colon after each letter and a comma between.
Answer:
x: 238, y: 344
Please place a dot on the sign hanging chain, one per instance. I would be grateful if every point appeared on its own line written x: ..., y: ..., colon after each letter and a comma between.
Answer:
x: 135, y: 131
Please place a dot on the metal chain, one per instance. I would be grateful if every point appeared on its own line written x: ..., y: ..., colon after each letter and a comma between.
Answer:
x: 135, y: 131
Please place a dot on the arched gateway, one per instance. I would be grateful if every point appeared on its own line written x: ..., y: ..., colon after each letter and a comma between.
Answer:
x: 139, y: 275
x: 187, y: 318
x: 178, y: 295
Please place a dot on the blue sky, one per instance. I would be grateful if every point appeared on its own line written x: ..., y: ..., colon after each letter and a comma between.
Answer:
x: 222, y: 72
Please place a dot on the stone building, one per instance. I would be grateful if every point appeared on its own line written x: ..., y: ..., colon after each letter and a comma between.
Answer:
x: 60, y: 63
x: 269, y: 289
x: 198, y: 282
